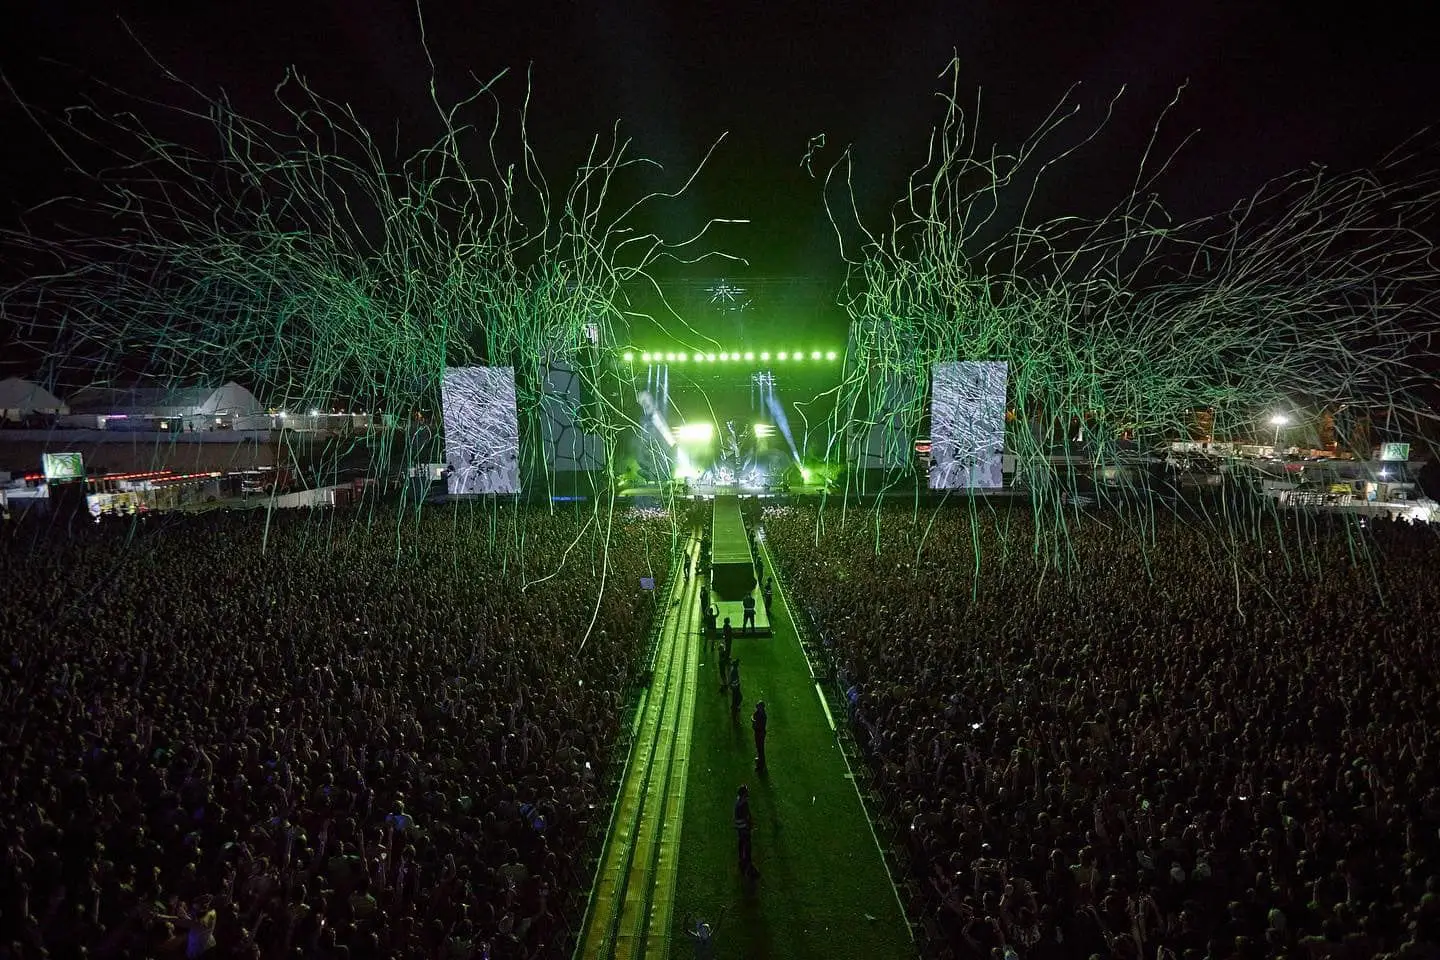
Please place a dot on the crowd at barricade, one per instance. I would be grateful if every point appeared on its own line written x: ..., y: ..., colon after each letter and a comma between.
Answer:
x: 341, y: 736
x: 1170, y: 744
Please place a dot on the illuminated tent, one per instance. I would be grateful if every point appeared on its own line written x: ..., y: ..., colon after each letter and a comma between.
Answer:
x: 21, y: 398
x: 193, y: 405
x: 227, y: 400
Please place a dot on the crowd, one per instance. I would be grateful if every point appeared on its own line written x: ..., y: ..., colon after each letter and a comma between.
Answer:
x: 363, y: 736
x: 1168, y: 744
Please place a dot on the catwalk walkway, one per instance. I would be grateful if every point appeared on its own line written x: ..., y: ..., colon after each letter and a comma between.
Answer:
x: 823, y: 890
x: 630, y: 907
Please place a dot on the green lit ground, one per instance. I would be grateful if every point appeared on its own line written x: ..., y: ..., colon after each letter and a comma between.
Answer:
x: 824, y: 892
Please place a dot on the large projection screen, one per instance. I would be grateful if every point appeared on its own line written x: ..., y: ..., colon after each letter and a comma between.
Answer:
x: 967, y: 424
x: 482, y: 430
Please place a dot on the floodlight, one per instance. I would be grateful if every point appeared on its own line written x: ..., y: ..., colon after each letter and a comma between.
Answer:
x: 669, y: 358
x: 710, y: 357
x: 681, y: 357
x: 814, y: 354
x: 830, y: 355
x: 314, y: 413
x: 629, y: 356
x: 749, y: 355
x: 1279, y: 420
x: 695, y: 432
x: 645, y: 357
x: 797, y: 355
x: 781, y: 355
x: 765, y: 356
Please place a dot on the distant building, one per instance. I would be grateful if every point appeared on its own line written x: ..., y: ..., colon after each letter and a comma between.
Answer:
x: 1202, y: 425
x: 1326, y: 430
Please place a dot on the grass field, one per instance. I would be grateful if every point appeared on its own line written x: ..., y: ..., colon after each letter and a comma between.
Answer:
x: 823, y: 891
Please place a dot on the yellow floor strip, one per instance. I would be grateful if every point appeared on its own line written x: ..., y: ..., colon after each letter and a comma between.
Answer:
x: 662, y: 908
x: 638, y: 851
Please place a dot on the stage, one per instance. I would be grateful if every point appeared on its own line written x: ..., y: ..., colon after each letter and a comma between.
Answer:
x: 707, y: 491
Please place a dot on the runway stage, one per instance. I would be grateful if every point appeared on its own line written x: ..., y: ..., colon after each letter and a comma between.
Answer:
x: 735, y: 610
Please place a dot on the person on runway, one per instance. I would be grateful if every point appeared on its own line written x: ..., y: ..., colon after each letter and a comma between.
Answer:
x: 748, y: 624
x: 711, y: 614
x: 742, y: 831
x: 769, y: 594
x: 735, y: 696
x: 758, y: 723
x: 704, y: 596
x: 726, y: 636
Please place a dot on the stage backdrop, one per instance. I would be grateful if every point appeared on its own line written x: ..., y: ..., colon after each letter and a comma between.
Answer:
x: 967, y: 424
x: 482, y: 430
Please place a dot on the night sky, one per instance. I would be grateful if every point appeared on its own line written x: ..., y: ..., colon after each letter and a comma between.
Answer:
x: 1267, y: 91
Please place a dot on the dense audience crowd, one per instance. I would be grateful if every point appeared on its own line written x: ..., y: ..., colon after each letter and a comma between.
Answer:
x: 361, y: 736
x: 1169, y: 745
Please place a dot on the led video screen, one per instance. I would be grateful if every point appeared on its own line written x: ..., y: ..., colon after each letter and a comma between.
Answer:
x: 63, y: 466
x: 967, y: 424
x: 482, y: 430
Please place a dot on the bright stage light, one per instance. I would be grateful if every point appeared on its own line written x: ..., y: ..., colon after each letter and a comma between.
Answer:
x: 798, y: 355
x: 629, y: 356
x: 669, y: 358
x: 645, y: 357
x: 830, y: 355
x: 781, y: 355
x: 709, y: 358
x: 749, y: 355
x: 764, y: 430
x: 681, y: 357
x: 695, y: 432
x: 765, y: 357
x: 814, y: 354
x: 684, y: 469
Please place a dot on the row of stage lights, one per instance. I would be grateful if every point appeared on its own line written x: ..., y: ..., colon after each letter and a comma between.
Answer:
x: 747, y: 356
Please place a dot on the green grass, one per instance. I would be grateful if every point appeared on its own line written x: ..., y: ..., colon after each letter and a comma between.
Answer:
x: 823, y: 892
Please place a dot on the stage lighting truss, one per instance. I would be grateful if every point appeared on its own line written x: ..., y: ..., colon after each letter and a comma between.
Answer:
x: 728, y: 356
x: 763, y: 378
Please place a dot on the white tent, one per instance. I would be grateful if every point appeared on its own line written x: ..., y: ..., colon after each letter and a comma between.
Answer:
x: 197, y: 407
x: 21, y: 398
x: 227, y: 400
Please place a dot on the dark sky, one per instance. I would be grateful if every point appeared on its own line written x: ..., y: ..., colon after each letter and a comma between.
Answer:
x: 1268, y: 90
